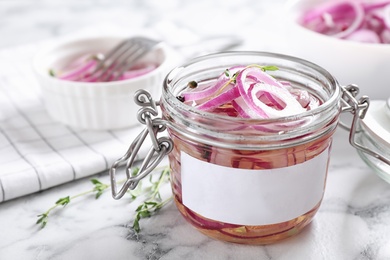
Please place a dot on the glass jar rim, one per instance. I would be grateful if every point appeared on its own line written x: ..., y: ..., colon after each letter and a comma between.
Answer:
x: 334, y: 98
x: 247, y: 133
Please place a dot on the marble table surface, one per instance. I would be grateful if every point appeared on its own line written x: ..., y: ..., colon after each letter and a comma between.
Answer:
x: 353, y: 221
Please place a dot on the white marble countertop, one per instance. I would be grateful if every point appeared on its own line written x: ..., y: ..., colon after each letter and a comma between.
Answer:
x: 353, y: 221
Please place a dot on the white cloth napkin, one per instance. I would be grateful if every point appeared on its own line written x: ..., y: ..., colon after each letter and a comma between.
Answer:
x: 36, y: 152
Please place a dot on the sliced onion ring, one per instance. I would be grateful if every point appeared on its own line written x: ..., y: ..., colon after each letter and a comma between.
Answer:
x: 326, y: 17
x: 355, y: 20
x: 211, y: 90
x: 253, y: 93
x: 250, y: 93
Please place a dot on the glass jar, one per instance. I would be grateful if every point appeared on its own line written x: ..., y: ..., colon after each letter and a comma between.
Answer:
x: 251, y: 181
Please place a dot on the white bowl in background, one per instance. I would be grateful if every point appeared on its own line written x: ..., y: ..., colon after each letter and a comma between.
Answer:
x: 364, y: 64
x: 96, y: 105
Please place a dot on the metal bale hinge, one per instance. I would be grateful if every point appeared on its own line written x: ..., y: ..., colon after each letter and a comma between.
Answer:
x: 147, y: 115
x: 358, y: 109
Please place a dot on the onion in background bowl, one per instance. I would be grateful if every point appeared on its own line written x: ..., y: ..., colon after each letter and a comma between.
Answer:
x: 365, y: 64
x: 353, y: 20
x: 96, y: 105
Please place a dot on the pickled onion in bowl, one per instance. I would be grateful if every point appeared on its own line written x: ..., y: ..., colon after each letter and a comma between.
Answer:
x: 361, y: 61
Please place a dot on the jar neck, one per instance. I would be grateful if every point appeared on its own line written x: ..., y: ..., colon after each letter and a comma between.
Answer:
x: 243, y: 133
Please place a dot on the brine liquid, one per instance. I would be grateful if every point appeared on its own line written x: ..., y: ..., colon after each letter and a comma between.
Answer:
x: 244, y: 159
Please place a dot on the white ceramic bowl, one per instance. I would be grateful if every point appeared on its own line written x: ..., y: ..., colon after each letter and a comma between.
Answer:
x: 365, y: 64
x: 100, y: 105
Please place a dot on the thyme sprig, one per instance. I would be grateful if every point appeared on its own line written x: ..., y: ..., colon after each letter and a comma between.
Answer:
x: 154, y: 202
x: 233, y: 77
x: 98, y: 188
x: 151, y: 198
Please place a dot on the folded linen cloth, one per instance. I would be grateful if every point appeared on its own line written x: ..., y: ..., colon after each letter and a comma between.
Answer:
x: 36, y: 152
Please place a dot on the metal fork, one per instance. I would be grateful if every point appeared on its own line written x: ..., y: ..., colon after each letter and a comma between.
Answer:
x: 122, y: 57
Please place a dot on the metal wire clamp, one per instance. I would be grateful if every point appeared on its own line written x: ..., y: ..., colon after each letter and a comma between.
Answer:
x: 161, y: 146
x: 358, y: 108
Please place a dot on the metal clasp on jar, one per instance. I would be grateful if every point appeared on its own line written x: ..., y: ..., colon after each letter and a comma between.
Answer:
x: 358, y: 108
x: 147, y: 115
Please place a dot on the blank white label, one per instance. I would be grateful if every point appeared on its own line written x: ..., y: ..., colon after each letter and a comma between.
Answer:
x: 252, y: 197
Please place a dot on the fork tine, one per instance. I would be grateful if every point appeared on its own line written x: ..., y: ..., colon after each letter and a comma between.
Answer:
x: 122, y: 58
x: 112, y: 57
x: 109, y: 55
x: 129, y: 61
x: 117, y: 60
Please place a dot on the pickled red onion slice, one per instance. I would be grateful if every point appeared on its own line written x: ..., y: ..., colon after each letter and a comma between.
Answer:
x: 386, y: 15
x: 290, y: 107
x: 369, y: 6
x: 338, y: 19
x: 221, y: 99
x: 252, y: 93
x: 82, y: 68
x: 256, y: 74
x: 203, y: 93
x: 354, y: 20
x: 79, y: 67
x: 138, y: 72
x: 364, y: 35
x: 385, y: 36
x: 246, y: 112
x: 284, y: 103
x: 243, y: 109
x: 211, y: 90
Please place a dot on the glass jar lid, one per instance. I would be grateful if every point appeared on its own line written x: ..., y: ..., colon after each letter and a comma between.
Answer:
x: 375, y: 135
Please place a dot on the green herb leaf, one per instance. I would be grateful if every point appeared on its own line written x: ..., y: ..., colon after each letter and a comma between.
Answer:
x: 95, y: 181
x: 42, y: 219
x: 234, y: 77
x: 269, y: 68
x: 99, y: 187
x: 137, y: 191
x: 52, y: 73
x: 136, y: 226
x: 145, y: 214
x: 151, y: 203
x: 63, y: 201
x: 135, y: 171
x: 140, y: 207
